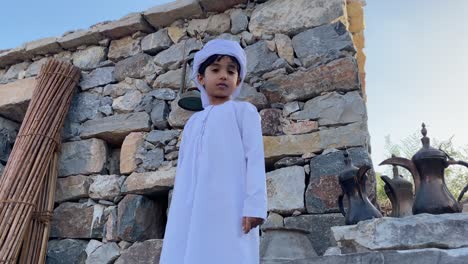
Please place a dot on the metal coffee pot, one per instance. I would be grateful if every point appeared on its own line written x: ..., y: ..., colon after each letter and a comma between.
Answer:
x: 400, y: 193
x: 427, y: 168
x: 353, y: 184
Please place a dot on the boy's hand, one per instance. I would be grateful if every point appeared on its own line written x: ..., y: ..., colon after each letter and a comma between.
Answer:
x: 250, y: 222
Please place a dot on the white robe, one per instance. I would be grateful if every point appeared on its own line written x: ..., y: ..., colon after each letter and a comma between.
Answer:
x: 220, y: 178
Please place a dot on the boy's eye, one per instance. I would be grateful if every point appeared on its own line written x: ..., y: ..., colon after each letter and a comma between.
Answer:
x: 231, y: 72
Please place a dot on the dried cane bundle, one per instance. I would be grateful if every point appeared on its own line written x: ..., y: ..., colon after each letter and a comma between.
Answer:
x: 36, y: 143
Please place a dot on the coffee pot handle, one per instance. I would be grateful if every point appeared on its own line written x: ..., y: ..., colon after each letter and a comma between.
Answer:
x: 340, y: 204
x: 463, y: 163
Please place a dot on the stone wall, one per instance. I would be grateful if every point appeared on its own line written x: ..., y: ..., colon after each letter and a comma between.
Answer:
x: 121, y: 137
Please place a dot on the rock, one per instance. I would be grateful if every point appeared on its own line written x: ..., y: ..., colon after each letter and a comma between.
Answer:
x: 323, y: 44
x: 140, y: 218
x: 291, y: 17
x: 142, y: 86
x: 137, y: 66
x: 128, y: 102
x: 82, y: 157
x: 297, y: 128
x: 16, y: 71
x: 43, y: 46
x: 80, y: 38
x: 92, y: 246
x: 34, y: 68
x: 66, y: 251
x: 250, y: 94
x: 334, y: 109
x: 248, y: 37
x: 104, y: 254
x: 159, y: 114
x: 146, y: 252
x: 218, y: 24
x: 331, y: 251
x: 123, y: 27
x: 323, y: 189
x: 274, y: 73
x: 319, y: 227
x: 445, y: 231
x: 159, y: 137
x: 77, y: 220
x: 339, y: 75
x: 171, y: 79
x: 271, y: 122
x: 289, y: 161
x: 219, y: 6
x: 2, y: 168
x: 230, y: 37
x: 285, y: 48
x: 273, y: 220
x: 12, y: 56
x: 105, y: 187
x: 8, y: 133
x: 290, y: 108
x: 176, y: 33
x: 110, y: 233
x: 163, y: 15
x: 351, y: 135
x: 84, y: 106
x: 123, y: 48
x: 128, y: 153
x: 149, y: 183
x: 118, y: 89
x: 285, y: 188
x: 155, y: 42
x: 114, y: 129
x: 277, y: 147
x: 260, y: 57
x: 89, y: 58
x: 173, y: 57
x: 239, y: 21
x: 98, y: 77
x: 178, y: 116
x: 153, y: 159
x: 72, y: 188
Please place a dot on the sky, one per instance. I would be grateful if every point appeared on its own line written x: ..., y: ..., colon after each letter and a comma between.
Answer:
x: 416, y: 57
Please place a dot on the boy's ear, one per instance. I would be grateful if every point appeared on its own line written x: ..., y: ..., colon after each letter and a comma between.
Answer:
x: 238, y: 81
x: 201, y: 79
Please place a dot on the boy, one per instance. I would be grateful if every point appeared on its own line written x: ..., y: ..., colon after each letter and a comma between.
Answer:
x: 219, y: 197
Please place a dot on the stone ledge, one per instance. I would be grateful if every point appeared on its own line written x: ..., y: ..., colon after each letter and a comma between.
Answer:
x: 219, y: 6
x: 43, y: 46
x: 80, y: 37
x: 125, y: 26
x: 15, y: 97
x: 164, y: 15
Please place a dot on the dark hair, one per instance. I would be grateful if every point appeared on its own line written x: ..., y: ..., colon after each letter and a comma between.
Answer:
x: 214, y: 58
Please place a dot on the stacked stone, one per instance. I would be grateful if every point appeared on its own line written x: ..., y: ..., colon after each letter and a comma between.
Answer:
x: 122, y: 134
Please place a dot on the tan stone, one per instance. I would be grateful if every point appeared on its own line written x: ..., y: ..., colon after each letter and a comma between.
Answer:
x: 72, y: 188
x: 302, y: 127
x: 359, y: 40
x: 178, y: 116
x: 15, y: 97
x: 124, y: 27
x: 150, y: 182
x: 176, y: 33
x: 12, y: 56
x: 123, y: 48
x: 43, y: 46
x: 219, y: 6
x: 164, y: 15
x: 281, y: 146
x: 361, y: 59
x: 129, y: 150
x: 284, y: 47
x: 355, y: 16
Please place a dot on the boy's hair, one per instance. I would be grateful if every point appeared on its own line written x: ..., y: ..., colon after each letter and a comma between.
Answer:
x: 214, y: 58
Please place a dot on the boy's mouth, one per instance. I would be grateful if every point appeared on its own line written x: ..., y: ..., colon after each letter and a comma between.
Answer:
x: 222, y: 85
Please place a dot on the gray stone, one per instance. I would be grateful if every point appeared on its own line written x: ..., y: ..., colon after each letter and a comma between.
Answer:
x: 118, y: 89
x: 84, y: 106
x: 323, y: 189
x: 105, y: 187
x: 15, y: 71
x: 2, y: 168
x: 146, y: 252
x: 149, y: 183
x: 334, y: 109
x: 173, y: 57
x: 155, y: 42
x: 178, y: 116
x: 140, y: 219
x: 445, y: 231
x: 271, y: 122
x: 82, y: 157
x: 128, y: 102
x: 123, y: 27
x: 290, y: 108
x: 78, y: 220
x: 105, y: 254
x: 80, y: 38
x: 251, y: 95
x: 248, y: 37
x: 8, y: 133
x: 228, y: 36
x: 285, y: 244
x: 164, y: 15
x: 98, y: 77
x: 123, y: 48
x: 43, y: 46
x: 273, y: 220
x: 260, y: 58
x: 219, y: 6
x: 352, y: 135
x: 218, y: 24
x: 114, y: 129
x: 110, y: 233
x: 142, y: 86
x: 291, y: 17
x: 35, y: 67
x: 331, y: 251
x: 164, y: 94
x: 66, y: 251
x: 171, y: 79
x: 339, y: 75
x: 319, y: 227
x: 72, y: 188
x: 90, y: 57
x: 159, y: 137
x: 137, y: 66
x: 239, y: 21
x: 289, y: 161
x: 159, y: 114
x: 153, y: 159
x: 12, y: 56
x: 285, y: 188
x: 323, y: 44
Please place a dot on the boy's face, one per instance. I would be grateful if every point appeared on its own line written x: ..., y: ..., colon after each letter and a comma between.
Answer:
x: 220, y: 80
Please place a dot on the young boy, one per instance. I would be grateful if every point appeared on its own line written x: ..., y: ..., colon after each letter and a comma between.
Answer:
x: 219, y: 197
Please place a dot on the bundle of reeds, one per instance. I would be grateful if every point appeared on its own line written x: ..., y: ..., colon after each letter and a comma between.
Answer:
x: 33, y: 153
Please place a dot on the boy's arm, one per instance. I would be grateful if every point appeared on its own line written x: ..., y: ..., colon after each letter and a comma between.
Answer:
x: 255, y: 201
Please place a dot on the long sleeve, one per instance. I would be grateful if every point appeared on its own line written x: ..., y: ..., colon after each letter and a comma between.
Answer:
x: 255, y: 202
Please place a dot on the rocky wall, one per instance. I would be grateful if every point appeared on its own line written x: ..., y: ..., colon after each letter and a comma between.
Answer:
x: 122, y: 134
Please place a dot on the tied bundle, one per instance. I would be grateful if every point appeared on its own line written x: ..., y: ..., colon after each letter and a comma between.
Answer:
x: 26, y: 187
